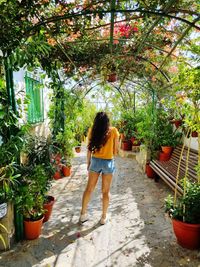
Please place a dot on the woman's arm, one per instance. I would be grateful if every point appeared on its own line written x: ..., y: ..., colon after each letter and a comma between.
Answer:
x: 88, y: 158
x: 116, y: 146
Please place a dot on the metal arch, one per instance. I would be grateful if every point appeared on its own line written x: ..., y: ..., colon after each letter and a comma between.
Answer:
x: 178, y: 42
x: 159, y: 13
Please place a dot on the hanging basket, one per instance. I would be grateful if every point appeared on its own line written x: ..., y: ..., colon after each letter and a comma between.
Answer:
x: 112, y: 77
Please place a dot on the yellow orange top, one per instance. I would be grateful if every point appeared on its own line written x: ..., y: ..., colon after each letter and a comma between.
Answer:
x: 106, y: 151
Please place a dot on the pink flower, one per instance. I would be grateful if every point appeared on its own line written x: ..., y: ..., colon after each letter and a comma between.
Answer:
x: 135, y: 29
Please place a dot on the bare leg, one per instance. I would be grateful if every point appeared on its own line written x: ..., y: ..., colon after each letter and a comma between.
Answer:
x: 92, y: 181
x: 106, y: 182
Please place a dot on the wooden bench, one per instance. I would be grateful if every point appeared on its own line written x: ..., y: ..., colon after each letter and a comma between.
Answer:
x: 167, y: 170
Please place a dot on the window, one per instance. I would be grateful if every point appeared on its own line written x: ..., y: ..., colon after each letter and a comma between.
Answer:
x: 34, y: 91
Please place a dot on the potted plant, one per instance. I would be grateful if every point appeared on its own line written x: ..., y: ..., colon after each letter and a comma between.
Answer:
x: 30, y: 199
x: 167, y: 138
x: 78, y: 138
x: 129, y: 119
x: 185, y: 215
x: 48, y: 206
x: 39, y: 153
x: 108, y: 68
x: 66, y: 168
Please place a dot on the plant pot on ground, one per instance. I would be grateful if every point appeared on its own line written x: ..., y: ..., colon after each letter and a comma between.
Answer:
x: 57, y: 175
x: 185, y: 216
x: 32, y: 229
x: 194, y: 134
x: 149, y: 171
x: 167, y: 149
x: 48, y: 206
x: 66, y: 168
x: 126, y: 145
x: 177, y: 122
x: 164, y: 156
x: 135, y: 141
x: 78, y: 149
x: 30, y: 198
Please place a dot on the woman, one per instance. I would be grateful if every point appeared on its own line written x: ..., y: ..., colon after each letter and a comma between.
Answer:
x: 102, y: 146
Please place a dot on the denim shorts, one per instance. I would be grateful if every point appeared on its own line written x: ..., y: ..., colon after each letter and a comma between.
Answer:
x: 104, y: 166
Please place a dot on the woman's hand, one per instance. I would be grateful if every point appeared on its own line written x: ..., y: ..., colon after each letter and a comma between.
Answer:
x: 88, y: 159
x: 88, y: 166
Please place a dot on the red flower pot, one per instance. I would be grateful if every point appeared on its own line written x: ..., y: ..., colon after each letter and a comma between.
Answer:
x: 78, y: 149
x: 112, y: 77
x: 57, y: 175
x: 167, y: 149
x: 164, y: 156
x: 32, y: 229
x: 135, y: 142
x: 177, y: 123
x: 149, y: 171
x: 195, y: 134
x: 66, y: 171
x: 187, y: 234
x: 48, y: 208
x: 126, y: 145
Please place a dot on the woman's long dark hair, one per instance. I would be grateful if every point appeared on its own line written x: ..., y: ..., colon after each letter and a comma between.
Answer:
x: 99, y: 134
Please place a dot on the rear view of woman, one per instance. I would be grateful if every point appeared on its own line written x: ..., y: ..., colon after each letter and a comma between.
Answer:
x: 102, y: 146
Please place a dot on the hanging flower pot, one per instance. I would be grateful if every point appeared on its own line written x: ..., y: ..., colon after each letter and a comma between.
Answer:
x: 66, y: 170
x: 194, y: 134
x: 164, y: 156
x: 149, y: 171
x: 112, y: 77
x: 167, y: 149
x: 187, y: 234
x: 48, y: 205
x: 32, y: 229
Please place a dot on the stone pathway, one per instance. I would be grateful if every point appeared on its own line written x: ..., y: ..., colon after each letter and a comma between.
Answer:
x: 138, y: 233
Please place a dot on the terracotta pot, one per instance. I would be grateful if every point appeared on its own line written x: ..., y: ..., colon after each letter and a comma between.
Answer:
x: 177, y: 123
x: 78, y: 149
x: 32, y: 229
x: 164, y: 156
x: 112, y: 77
x: 195, y: 134
x: 56, y: 158
x: 48, y: 207
x: 126, y: 145
x: 135, y: 142
x: 187, y: 234
x: 149, y: 171
x: 66, y: 170
x: 57, y: 175
x: 167, y: 149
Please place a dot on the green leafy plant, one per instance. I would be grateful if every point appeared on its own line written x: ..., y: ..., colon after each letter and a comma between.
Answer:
x: 1, y: 236
x: 31, y: 192
x: 187, y: 207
